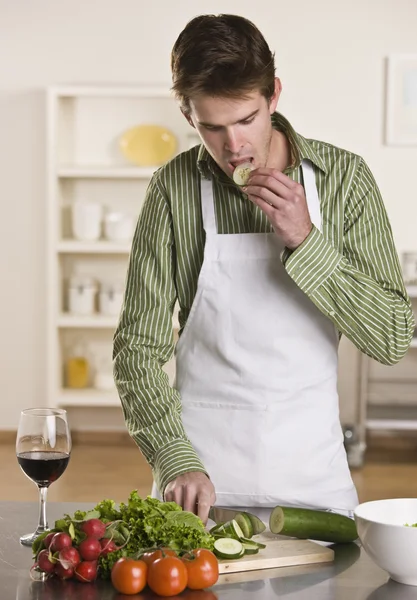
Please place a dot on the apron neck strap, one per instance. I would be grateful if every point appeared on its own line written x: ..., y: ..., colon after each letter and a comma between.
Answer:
x: 207, y: 206
x: 312, y: 196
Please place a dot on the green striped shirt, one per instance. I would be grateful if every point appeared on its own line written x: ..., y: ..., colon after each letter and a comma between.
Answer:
x: 350, y: 271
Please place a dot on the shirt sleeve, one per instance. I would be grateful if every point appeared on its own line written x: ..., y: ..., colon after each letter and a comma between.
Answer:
x: 144, y: 342
x: 360, y: 289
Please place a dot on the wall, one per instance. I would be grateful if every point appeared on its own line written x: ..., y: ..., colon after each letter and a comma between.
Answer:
x: 330, y: 56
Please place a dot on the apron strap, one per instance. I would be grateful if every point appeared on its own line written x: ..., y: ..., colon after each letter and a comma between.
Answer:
x: 207, y: 206
x: 312, y: 196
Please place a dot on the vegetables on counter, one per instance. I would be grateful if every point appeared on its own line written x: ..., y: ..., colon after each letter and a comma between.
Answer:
x: 311, y: 524
x: 107, y: 533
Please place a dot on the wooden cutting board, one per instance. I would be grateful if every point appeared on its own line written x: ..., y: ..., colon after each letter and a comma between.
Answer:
x: 279, y: 552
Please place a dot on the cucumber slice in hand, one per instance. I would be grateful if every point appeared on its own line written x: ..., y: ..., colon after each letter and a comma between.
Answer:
x: 242, y: 172
x: 228, y: 548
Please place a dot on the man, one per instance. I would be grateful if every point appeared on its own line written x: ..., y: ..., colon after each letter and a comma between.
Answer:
x: 267, y: 278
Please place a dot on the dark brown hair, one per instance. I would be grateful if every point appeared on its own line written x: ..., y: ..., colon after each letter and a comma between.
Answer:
x: 221, y: 55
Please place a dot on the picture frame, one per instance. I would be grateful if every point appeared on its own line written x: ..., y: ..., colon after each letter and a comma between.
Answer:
x: 401, y: 100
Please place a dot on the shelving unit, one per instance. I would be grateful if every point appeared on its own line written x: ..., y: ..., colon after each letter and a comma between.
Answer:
x: 84, y: 163
x: 388, y: 402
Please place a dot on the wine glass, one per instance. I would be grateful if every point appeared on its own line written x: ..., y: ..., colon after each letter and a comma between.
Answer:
x: 43, y: 448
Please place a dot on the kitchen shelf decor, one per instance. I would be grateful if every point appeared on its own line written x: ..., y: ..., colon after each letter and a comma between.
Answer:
x: 96, y: 182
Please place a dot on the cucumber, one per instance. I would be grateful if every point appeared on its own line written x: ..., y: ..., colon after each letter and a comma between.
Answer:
x: 258, y: 526
x: 305, y: 523
x: 228, y: 548
x: 242, y: 519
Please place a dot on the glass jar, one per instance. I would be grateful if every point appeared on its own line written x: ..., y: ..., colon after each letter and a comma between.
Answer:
x: 81, y: 295
x: 111, y: 298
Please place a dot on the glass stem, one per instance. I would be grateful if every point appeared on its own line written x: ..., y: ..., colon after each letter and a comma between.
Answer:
x: 43, y: 524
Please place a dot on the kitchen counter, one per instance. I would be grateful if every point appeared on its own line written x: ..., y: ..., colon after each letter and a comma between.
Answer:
x: 352, y: 576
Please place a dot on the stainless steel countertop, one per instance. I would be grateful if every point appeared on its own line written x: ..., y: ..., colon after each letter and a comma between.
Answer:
x: 352, y: 576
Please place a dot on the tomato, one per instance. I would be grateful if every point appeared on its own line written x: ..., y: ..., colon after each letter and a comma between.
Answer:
x: 150, y: 557
x: 202, y: 568
x: 129, y: 576
x: 167, y: 576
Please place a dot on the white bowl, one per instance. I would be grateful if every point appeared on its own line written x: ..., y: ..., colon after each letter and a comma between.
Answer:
x: 384, y: 536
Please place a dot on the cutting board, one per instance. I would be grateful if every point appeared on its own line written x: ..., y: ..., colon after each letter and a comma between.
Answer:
x: 279, y: 552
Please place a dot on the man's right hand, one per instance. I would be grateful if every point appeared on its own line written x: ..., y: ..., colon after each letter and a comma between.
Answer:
x: 193, y: 491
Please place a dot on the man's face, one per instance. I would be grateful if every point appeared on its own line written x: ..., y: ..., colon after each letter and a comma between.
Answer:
x: 235, y: 130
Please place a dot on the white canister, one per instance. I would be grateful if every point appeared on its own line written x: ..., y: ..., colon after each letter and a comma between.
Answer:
x: 81, y: 295
x: 111, y: 298
x: 86, y: 221
x: 118, y: 227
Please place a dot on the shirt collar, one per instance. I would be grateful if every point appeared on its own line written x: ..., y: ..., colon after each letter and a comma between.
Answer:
x: 301, y: 149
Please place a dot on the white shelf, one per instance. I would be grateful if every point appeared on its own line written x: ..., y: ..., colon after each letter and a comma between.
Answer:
x: 412, y: 291
x: 104, y: 172
x: 67, y: 321
x: 89, y: 397
x: 99, y: 247
x: 107, y: 91
x: 391, y: 424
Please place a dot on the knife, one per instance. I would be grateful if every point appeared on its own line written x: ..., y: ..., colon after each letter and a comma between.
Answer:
x: 222, y: 515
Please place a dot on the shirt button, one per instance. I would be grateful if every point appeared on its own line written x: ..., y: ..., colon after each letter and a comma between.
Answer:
x: 332, y: 313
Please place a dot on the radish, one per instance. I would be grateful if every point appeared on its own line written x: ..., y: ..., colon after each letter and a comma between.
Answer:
x: 62, y: 572
x: 86, y: 571
x: 107, y: 546
x: 60, y: 541
x: 90, y: 549
x: 44, y: 563
x: 94, y: 528
x: 48, y: 539
x: 69, y: 557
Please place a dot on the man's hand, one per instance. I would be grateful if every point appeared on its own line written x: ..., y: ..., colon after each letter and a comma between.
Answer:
x: 193, y: 491
x: 284, y: 203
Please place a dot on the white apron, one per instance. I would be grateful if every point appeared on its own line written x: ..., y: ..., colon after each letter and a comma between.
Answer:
x: 256, y: 367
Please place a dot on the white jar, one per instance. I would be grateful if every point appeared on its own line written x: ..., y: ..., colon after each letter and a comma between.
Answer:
x: 86, y: 221
x: 111, y: 298
x: 118, y: 227
x: 81, y: 295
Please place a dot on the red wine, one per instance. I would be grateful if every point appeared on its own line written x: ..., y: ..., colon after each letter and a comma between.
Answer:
x: 43, y: 467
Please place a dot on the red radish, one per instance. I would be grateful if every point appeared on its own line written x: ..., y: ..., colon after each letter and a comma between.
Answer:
x: 69, y: 557
x: 107, y: 546
x: 62, y: 572
x: 48, y: 539
x: 44, y: 563
x: 89, y: 549
x: 94, y: 528
x: 86, y: 571
x: 60, y: 541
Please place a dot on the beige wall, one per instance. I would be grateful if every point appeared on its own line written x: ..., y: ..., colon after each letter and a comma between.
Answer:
x: 330, y: 56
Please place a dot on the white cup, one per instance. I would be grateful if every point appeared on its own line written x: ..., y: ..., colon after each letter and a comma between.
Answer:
x: 118, y: 227
x: 86, y: 220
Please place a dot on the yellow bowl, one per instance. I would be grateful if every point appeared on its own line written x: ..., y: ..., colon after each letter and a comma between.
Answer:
x: 148, y: 145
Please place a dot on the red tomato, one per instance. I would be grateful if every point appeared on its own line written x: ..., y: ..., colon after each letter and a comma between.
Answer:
x: 202, y: 568
x: 129, y: 576
x: 167, y: 576
x: 150, y: 557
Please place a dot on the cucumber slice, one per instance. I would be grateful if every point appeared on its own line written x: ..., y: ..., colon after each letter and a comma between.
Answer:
x: 242, y: 172
x: 305, y: 523
x: 258, y: 526
x: 245, y: 524
x: 232, y: 528
x: 228, y: 548
x: 253, y: 543
x: 249, y: 549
